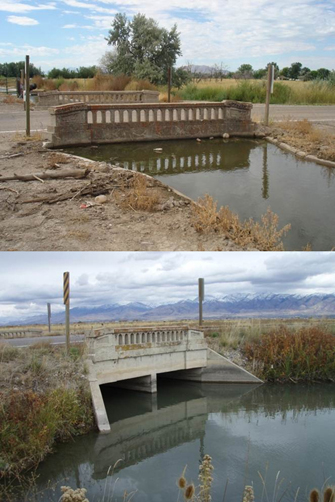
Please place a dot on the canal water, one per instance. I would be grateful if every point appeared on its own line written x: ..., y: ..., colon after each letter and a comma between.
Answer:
x: 248, y: 430
x: 247, y: 175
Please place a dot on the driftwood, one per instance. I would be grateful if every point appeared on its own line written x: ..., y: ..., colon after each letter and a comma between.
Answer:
x: 93, y: 189
x: 12, y: 156
x: 48, y: 175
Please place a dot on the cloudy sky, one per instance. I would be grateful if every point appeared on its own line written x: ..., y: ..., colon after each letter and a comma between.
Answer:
x: 71, y: 33
x: 29, y: 280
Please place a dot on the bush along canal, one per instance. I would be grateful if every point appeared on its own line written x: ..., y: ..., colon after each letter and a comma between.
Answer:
x: 249, y: 176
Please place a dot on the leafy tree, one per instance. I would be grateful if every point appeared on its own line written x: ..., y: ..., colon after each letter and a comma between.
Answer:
x: 323, y: 73
x: 285, y: 72
x: 13, y: 69
x: 142, y: 48
x: 295, y: 70
x: 245, y: 71
x: 181, y: 77
x: 259, y: 74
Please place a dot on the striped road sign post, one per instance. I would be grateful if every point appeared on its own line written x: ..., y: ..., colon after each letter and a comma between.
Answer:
x: 66, y: 299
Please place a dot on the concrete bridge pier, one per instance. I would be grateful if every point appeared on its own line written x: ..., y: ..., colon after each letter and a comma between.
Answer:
x: 99, y: 407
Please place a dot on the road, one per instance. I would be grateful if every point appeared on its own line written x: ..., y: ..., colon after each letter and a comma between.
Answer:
x: 54, y: 340
x: 14, y: 121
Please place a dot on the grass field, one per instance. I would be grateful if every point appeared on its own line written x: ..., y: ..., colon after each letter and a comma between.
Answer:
x: 230, y: 328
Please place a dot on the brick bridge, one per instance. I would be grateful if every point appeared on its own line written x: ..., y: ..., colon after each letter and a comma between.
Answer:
x: 85, y: 124
x: 132, y: 358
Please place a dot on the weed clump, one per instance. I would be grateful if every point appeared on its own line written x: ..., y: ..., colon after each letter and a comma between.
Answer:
x: 306, y: 355
x: 138, y: 196
x: 263, y: 235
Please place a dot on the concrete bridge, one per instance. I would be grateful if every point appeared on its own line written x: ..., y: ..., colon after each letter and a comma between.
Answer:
x: 85, y: 124
x: 132, y: 358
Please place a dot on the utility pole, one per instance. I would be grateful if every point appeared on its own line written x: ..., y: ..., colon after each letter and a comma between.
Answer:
x: 269, y: 91
x: 201, y: 284
x: 27, y: 98
x: 169, y: 84
x: 49, y: 316
x: 66, y: 299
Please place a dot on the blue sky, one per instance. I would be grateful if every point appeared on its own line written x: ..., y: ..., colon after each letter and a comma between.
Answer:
x: 71, y: 33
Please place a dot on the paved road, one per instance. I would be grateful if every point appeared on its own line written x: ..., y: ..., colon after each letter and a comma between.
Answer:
x: 13, y: 121
x: 54, y: 340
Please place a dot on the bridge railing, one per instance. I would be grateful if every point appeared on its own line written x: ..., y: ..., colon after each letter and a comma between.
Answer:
x: 55, y: 98
x: 81, y: 123
x: 122, y: 343
x: 19, y: 333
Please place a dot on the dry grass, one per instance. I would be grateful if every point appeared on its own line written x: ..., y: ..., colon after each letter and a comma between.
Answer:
x: 69, y: 86
x: 36, y: 136
x: 57, y: 158
x: 12, y: 100
x: 107, y: 83
x: 138, y: 196
x: 263, y: 235
x: 140, y: 85
x: 305, y: 136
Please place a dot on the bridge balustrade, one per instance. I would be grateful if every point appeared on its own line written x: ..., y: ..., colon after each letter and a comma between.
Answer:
x: 55, y: 98
x: 81, y: 123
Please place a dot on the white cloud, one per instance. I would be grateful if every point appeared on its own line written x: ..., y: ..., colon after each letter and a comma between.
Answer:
x: 38, y: 51
x: 22, y: 20
x: 20, y: 8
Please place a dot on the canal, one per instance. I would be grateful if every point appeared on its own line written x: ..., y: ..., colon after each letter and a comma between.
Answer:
x: 246, y: 429
x: 247, y: 175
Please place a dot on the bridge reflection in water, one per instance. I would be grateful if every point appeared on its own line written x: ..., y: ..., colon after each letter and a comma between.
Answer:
x: 156, y: 438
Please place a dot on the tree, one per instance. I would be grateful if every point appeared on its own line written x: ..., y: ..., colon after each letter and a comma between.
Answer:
x: 285, y: 72
x: 245, y: 71
x: 180, y: 77
x: 259, y: 74
x: 295, y: 70
x: 323, y: 73
x: 142, y: 48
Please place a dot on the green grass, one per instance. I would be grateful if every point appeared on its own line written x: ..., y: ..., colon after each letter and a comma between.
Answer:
x: 319, y: 92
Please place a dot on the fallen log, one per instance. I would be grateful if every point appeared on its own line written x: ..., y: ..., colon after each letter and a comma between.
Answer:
x: 48, y: 175
x: 93, y: 189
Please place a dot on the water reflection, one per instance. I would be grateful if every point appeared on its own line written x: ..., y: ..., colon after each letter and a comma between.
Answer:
x: 249, y: 176
x: 290, y: 428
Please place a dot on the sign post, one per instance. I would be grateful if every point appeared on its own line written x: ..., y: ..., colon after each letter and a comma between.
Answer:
x: 49, y: 316
x: 27, y: 93
x: 66, y: 299
x: 269, y: 91
x: 201, y: 283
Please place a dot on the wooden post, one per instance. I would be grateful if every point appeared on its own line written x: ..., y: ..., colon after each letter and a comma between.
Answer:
x: 66, y: 297
x: 49, y: 316
x: 27, y: 98
x: 201, y: 284
x: 169, y: 84
x: 268, y: 94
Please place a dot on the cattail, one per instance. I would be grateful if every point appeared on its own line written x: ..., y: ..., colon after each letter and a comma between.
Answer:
x: 182, y: 482
x: 328, y: 495
x: 314, y: 496
x: 189, y: 492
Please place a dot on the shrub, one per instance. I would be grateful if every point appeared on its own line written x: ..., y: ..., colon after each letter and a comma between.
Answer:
x: 308, y: 354
x: 138, y: 197
x: 263, y: 235
x: 140, y: 85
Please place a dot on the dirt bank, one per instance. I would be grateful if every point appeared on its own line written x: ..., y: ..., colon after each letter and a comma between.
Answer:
x: 66, y: 225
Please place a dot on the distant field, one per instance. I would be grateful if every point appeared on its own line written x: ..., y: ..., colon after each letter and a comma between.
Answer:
x: 228, y: 326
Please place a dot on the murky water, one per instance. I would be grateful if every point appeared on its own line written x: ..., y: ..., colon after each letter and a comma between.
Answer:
x: 248, y: 176
x: 246, y: 429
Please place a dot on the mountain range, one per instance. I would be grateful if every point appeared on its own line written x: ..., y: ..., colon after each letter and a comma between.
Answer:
x: 226, y: 307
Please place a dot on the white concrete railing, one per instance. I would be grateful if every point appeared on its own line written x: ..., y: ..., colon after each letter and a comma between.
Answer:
x: 24, y: 333
x: 55, y: 98
x: 81, y: 123
x: 105, y: 344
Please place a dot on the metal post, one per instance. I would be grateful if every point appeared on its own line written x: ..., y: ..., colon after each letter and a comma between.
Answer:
x: 27, y: 98
x: 268, y: 93
x: 49, y: 316
x: 6, y: 78
x: 201, y: 284
x: 169, y: 84
x: 66, y: 296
